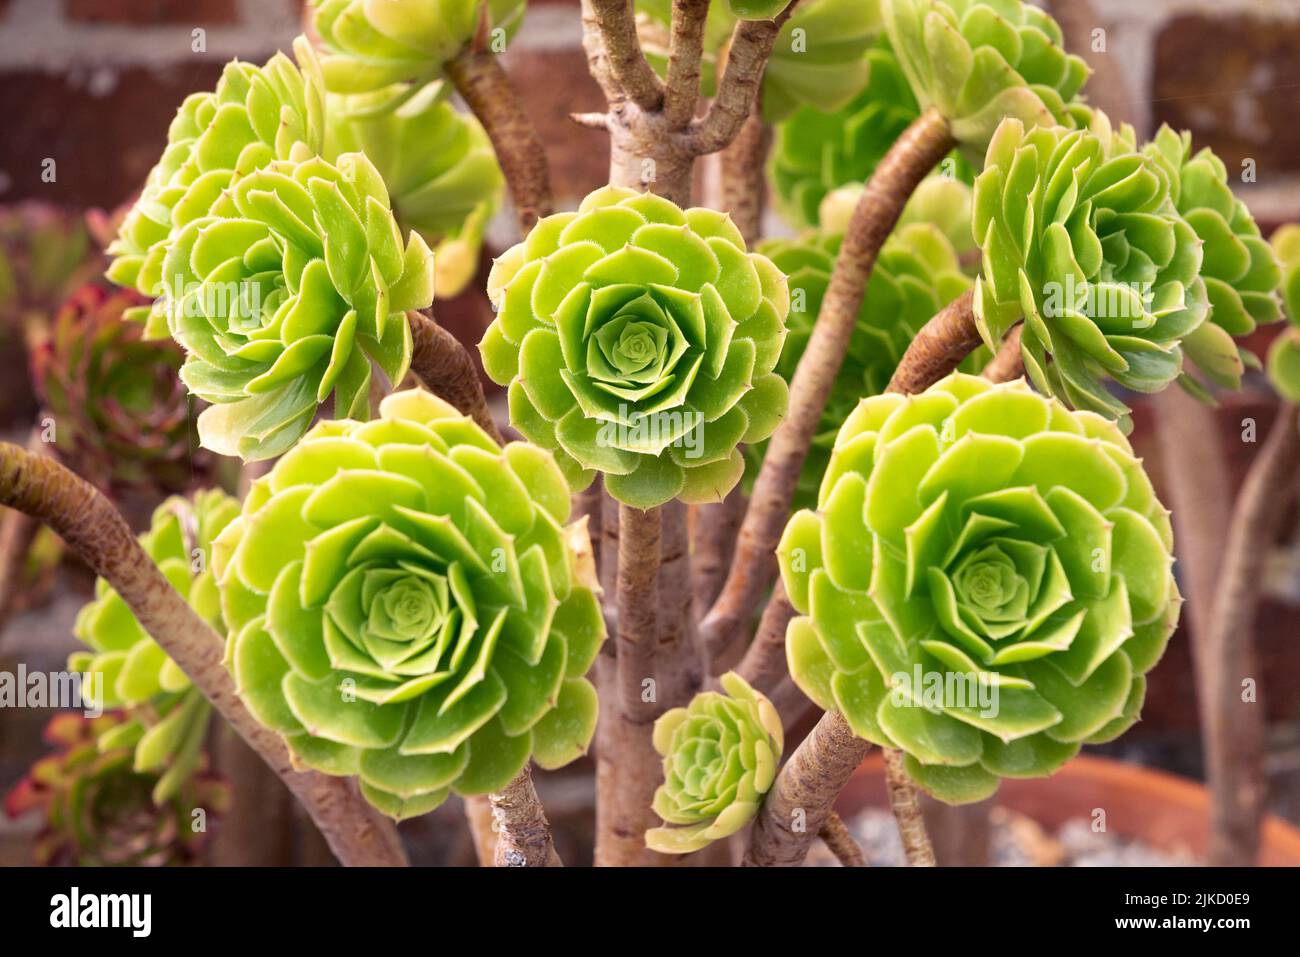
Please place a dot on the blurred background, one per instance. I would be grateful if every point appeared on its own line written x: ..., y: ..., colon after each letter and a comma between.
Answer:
x: 88, y: 87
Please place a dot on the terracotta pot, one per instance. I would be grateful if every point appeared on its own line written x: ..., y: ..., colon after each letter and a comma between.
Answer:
x: 1169, y: 813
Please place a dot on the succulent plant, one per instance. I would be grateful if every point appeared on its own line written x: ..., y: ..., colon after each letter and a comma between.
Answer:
x: 1284, y: 355
x: 374, y: 46
x: 984, y: 586
x: 405, y: 605
x: 440, y: 170
x: 916, y: 275
x: 121, y: 415
x: 639, y: 339
x: 255, y: 115
x: 166, y: 717
x: 817, y: 57
x: 289, y: 297
x: 1080, y: 237
x: 815, y: 151
x: 720, y: 757
x: 1239, y: 268
x: 977, y: 61
x: 45, y: 253
x: 99, y: 812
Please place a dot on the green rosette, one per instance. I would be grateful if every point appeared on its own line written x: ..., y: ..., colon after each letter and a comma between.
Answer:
x: 395, y: 49
x: 816, y: 59
x: 1081, y: 238
x: 1239, y: 268
x: 915, y: 276
x: 639, y: 339
x: 440, y: 170
x: 405, y: 605
x: 290, y: 298
x: 984, y: 585
x: 978, y: 61
x: 255, y: 115
x: 721, y: 754
x: 166, y: 717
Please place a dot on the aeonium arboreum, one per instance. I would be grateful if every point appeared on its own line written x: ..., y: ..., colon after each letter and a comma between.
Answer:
x: 1081, y: 239
x: 720, y: 757
x: 406, y: 605
x: 289, y: 297
x: 639, y: 339
x: 984, y: 585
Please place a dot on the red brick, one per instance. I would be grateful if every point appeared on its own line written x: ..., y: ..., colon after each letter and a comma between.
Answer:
x: 103, y: 145
x: 1232, y: 80
x: 153, y: 11
x: 553, y: 84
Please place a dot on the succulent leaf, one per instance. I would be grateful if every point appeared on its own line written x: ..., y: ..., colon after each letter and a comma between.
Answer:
x: 720, y: 757
x: 639, y: 339
x: 405, y: 604
x: 984, y: 584
x: 1284, y: 354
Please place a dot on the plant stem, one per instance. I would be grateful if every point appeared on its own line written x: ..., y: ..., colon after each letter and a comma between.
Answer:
x: 743, y: 181
x: 627, y: 766
x: 523, y: 834
x: 478, y: 815
x: 1009, y: 363
x: 713, y: 537
x: 480, y: 80
x: 91, y: 527
x: 906, y: 806
x: 18, y: 531
x: 685, y: 48
x: 764, y: 664
x: 797, y: 806
x: 835, y: 835
x: 444, y: 366
x: 908, y: 161
x: 1235, y: 729
x: 943, y: 342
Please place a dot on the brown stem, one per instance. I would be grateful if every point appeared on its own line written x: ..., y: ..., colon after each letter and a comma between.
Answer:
x: 713, y: 538
x: 908, y: 161
x: 480, y: 80
x: 627, y: 766
x: 444, y: 366
x: 1235, y: 730
x: 907, y: 811
x: 959, y: 833
x: 523, y: 833
x: 747, y: 55
x: 797, y: 806
x: 764, y: 664
x: 835, y: 835
x: 943, y: 342
x: 478, y: 815
x: 678, y: 668
x: 634, y: 76
x: 1008, y: 364
x: 17, y: 533
x: 92, y: 528
x: 744, y: 185
x: 685, y: 47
